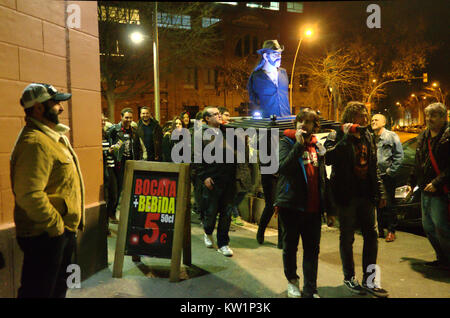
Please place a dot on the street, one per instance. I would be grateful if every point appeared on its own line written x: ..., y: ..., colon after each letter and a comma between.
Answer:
x: 256, y: 271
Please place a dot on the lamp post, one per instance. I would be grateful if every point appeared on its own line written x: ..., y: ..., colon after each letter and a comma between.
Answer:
x: 137, y: 38
x: 308, y: 33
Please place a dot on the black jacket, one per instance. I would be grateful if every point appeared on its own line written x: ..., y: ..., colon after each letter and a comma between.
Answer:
x: 157, y: 139
x: 220, y: 172
x: 423, y: 172
x: 292, y: 189
x: 341, y: 156
x: 116, y: 133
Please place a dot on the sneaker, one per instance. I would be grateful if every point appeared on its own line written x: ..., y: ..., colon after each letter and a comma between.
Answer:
x: 353, y: 285
x: 226, y: 251
x: 293, y: 291
x: 237, y: 221
x: 208, y: 240
x: 376, y: 290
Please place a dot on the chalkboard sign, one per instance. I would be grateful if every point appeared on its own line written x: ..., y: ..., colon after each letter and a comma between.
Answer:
x: 154, y: 220
x: 151, y: 218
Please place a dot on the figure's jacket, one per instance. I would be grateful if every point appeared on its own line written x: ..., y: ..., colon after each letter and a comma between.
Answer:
x: 423, y: 172
x: 157, y: 139
x: 292, y: 187
x: 116, y: 133
x: 341, y: 156
x: 46, y: 181
x: 389, y: 153
x: 266, y: 96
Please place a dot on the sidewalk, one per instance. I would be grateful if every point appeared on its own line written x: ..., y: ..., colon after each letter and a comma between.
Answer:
x: 256, y: 271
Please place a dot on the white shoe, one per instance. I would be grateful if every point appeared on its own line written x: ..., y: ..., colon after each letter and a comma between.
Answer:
x: 209, y: 241
x: 293, y: 290
x: 226, y: 251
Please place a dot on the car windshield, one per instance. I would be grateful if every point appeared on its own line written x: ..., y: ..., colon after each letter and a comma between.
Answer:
x: 409, y: 147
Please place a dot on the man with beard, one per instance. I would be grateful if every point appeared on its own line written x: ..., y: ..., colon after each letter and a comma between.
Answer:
x: 151, y: 134
x: 49, y: 194
x: 268, y: 84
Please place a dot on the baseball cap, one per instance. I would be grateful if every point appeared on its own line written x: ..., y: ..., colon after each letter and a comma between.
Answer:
x: 39, y: 92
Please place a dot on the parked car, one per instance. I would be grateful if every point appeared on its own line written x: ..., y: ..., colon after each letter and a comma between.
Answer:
x: 408, y: 209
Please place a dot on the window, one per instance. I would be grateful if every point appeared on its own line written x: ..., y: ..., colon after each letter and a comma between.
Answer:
x: 246, y: 45
x: 238, y: 49
x: 190, y: 77
x: 176, y: 21
x: 255, y: 45
x: 264, y: 5
x: 295, y: 7
x: 206, y: 22
x: 303, y: 81
x: 119, y: 15
x: 210, y: 78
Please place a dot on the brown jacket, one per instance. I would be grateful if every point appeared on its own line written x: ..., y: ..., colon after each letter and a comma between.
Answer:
x: 46, y: 181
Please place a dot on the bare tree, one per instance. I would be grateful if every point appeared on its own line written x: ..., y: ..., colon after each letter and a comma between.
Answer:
x: 335, y: 76
x: 233, y: 77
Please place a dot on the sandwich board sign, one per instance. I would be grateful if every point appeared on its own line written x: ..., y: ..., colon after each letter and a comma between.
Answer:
x: 154, y: 220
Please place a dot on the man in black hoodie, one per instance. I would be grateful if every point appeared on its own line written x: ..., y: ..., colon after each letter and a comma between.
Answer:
x: 300, y: 200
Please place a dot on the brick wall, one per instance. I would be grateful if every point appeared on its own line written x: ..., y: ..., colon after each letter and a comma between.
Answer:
x: 36, y: 46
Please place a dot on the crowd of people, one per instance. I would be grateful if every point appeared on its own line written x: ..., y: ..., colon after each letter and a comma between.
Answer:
x: 49, y: 191
x: 364, y: 155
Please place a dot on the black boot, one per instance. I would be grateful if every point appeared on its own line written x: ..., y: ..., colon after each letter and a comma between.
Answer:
x: 260, y: 235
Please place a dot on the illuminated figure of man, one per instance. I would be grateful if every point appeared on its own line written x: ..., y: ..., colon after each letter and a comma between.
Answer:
x: 268, y: 84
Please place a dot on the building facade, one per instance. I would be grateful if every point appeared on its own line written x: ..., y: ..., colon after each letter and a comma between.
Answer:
x: 244, y: 27
x: 41, y: 41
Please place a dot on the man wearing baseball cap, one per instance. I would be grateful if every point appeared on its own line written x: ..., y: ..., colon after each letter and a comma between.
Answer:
x: 268, y: 84
x: 49, y: 194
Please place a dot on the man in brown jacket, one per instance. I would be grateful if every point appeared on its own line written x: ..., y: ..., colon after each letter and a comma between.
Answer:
x: 49, y: 194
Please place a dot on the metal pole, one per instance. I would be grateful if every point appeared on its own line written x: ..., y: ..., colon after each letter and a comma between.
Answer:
x: 156, y: 62
x: 292, y: 74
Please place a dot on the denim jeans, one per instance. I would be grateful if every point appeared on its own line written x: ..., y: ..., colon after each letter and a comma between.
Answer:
x: 215, y: 204
x: 45, y: 261
x: 387, y: 216
x: 308, y: 226
x: 436, y: 225
x: 359, y: 211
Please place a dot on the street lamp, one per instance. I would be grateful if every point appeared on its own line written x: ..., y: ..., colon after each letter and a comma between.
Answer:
x: 307, y: 33
x: 137, y: 37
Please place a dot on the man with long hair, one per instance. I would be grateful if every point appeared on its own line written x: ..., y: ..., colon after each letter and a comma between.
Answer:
x: 357, y: 189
